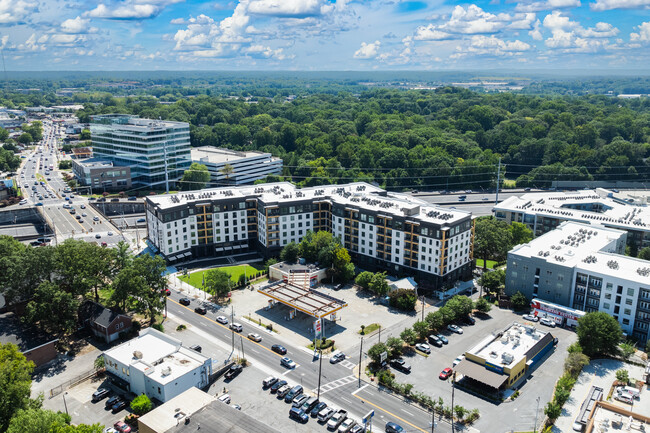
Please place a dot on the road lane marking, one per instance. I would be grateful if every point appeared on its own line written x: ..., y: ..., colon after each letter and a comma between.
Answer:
x: 361, y: 389
x: 389, y: 413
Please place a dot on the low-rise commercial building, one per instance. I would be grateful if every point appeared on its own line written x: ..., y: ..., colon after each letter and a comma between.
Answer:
x: 157, y: 365
x: 231, y: 167
x: 382, y: 230
x: 101, y: 175
x: 542, y: 212
x: 500, y: 360
x: 582, y: 266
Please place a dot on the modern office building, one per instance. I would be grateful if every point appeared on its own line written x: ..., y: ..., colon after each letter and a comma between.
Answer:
x: 101, y: 175
x: 157, y: 365
x: 582, y: 266
x: 381, y: 230
x: 499, y: 361
x: 542, y: 212
x: 230, y: 167
x: 157, y: 151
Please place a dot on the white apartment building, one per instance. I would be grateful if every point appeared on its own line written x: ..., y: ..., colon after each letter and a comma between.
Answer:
x: 381, y: 230
x: 247, y: 167
x: 582, y: 266
x: 157, y: 365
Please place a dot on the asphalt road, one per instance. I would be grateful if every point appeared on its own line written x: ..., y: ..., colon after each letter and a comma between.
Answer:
x: 339, y: 384
x: 66, y: 225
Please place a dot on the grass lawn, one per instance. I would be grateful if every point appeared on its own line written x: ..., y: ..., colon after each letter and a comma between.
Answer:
x: 490, y: 263
x: 370, y: 328
x: 196, y: 278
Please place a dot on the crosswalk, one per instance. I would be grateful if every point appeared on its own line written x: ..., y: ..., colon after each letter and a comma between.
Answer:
x: 336, y: 384
x: 347, y: 364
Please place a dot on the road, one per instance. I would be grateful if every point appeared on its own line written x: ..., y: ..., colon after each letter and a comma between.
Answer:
x: 42, y: 186
x: 339, y: 384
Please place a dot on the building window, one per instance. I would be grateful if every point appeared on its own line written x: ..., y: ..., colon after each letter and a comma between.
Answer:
x: 628, y: 301
x: 630, y: 292
x: 627, y: 312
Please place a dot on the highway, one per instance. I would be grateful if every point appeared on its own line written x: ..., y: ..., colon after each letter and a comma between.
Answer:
x: 50, y: 194
x: 339, y: 382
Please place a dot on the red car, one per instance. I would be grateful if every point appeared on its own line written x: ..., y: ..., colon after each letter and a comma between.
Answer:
x: 167, y: 292
x: 122, y: 427
x: 444, y: 374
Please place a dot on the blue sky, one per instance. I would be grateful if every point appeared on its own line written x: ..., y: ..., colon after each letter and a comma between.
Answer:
x: 324, y: 34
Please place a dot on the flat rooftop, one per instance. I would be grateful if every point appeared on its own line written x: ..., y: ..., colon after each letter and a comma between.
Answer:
x: 598, y: 207
x: 218, y: 417
x: 356, y: 195
x: 162, y: 359
x: 309, y: 301
x: 590, y: 248
x: 173, y: 412
x: 94, y: 163
x: 508, y: 347
x: 219, y: 155
x: 609, y: 416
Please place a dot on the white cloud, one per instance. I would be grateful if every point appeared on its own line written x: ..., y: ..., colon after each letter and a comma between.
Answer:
x: 569, y: 34
x: 643, y: 34
x: 288, y: 8
x: 474, y: 20
x: 492, y: 45
x: 15, y: 11
x: 605, y: 5
x: 429, y: 33
x: 537, y: 6
x: 536, y: 32
x: 77, y: 26
x: 368, y: 50
x: 32, y: 44
x: 66, y: 40
x: 265, y: 52
x: 130, y: 9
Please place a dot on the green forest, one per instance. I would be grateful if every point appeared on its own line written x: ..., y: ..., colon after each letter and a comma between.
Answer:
x: 443, y: 139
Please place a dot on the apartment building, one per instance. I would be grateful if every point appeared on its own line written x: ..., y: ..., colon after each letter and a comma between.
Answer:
x: 543, y: 212
x: 582, y: 266
x: 245, y: 167
x: 157, y: 151
x: 381, y: 230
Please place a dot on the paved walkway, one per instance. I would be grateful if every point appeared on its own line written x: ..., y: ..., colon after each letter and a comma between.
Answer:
x: 602, y: 373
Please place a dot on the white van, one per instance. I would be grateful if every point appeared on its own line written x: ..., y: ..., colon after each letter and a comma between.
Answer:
x: 624, y: 397
x: 634, y: 392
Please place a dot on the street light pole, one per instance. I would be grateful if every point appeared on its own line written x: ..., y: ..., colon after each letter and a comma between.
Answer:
x: 360, y: 355
x: 536, y: 412
x: 320, y: 368
x: 453, y: 388
x: 65, y: 404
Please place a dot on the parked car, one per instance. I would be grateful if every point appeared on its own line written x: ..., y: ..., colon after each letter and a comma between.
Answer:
x: 284, y: 390
x: 200, y: 310
x: 119, y: 405
x: 316, y: 409
x: 235, y: 406
x: 401, y: 365
x: 298, y: 414
x: 141, y: 220
x: 222, y: 319
x: 225, y: 398
x: 357, y: 428
x: 455, y: 328
x: 299, y: 400
x: 325, y: 414
x: 167, y: 292
x: 277, y: 385
x: 196, y: 348
x: 277, y: 348
x: 392, y: 427
x: 530, y: 317
x: 309, y: 404
x: 337, y: 356
x: 255, y: 337
x: 233, y: 371
x: 100, y: 394
x: 547, y: 322
x: 444, y: 374
x: 433, y: 339
x: 336, y: 419
x: 469, y: 320
x: 122, y: 427
x: 111, y: 401
x: 443, y: 339
x: 347, y: 425
x: 269, y: 382
x: 287, y: 362
x: 295, y: 391
x: 423, y: 347
x: 184, y: 301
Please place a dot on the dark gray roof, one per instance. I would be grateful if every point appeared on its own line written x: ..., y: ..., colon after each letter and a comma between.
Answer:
x: 218, y: 417
x: 26, y: 338
x: 97, y: 313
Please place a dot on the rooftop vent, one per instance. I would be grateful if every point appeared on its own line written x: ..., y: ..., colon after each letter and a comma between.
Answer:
x: 137, y: 354
x: 166, y: 371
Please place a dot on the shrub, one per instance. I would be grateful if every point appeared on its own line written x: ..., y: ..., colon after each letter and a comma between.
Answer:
x: 483, y: 306
x: 473, y: 416
x: 552, y: 410
x: 575, y: 362
x: 141, y: 404
x: 627, y: 349
x: 403, y: 299
x: 409, y: 336
x: 561, y: 395
x: 574, y: 348
x: 519, y: 301
x: 158, y: 327
x: 460, y: 412
x: 181, y: 327
x: 623, y: 376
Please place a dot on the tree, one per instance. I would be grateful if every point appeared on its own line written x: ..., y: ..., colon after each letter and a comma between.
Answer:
x: 599, y: 334
x: 483, y: 305
x: 461, y: 305
x: 378, y: 284
x: 421, y: 329
x: 519, y: 301
x: 434, y: 320
x: 141, y: 404
x: 492, y: 240
x: 151, y: 300
x: 25, y: 138
x: 395, y: 346
x: 644, y: 253
x: 623, y: 376
x: 227, y: 170
x: 375, y: 352
x: 403, y: 299
x: 37, y: 421
x: 99, y: 363
x: 575, y: 362
x: 127, y: 285
x: 52, y: 309
x: 195, y: 177
x: 521, y: 234
x: 4, y: 134
x: 409, y: 336
x: 217, y: 282
x: 289, y: 253
x: 627, y: 349
x: 15, y: 382
x: 363, y: 280
x: 493, y: 281
x: 85, y: 134
x: 552, y: 410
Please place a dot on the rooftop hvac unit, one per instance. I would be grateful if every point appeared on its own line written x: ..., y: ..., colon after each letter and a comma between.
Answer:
x: 166, y: 371
x: 137, y: 354
x: 507, y: 358
x: 504, y: 339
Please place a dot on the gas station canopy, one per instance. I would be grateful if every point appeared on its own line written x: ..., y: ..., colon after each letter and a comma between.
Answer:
x: 309, y: 301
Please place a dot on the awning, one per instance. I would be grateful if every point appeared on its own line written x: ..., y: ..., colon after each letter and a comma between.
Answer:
x: 481, y: 374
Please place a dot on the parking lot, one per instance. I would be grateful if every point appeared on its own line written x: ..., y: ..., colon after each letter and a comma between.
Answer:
x: 514, y: 415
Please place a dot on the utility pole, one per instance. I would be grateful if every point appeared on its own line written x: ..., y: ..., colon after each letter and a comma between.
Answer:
x: 433, y: 418
x: 232, y: 331
x: 453, y: 388
x: 536, y: 412
x: 379, y: 334
x: 496, y: 201
x: 320, y: 369
x: 360, y: 355
x: 422, y: 300
x: 241, y: 339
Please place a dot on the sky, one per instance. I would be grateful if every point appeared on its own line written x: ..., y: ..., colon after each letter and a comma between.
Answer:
x: 321, y: 35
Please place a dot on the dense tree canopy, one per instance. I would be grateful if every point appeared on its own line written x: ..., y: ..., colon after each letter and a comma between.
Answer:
x: 195, y: 177
x: 599, y: 334
x: 15, y: 382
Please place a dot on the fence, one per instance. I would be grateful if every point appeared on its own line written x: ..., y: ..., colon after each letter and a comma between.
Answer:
x: 65, y: 385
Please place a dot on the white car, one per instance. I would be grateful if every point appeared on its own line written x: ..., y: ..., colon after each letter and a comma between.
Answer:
x: 222, y: 319
x: 530, y: 317
x: 224, y: 398
x: 423, y: 347
x: 255, y: 337
x: 547, y: 322
x: 455, y: 328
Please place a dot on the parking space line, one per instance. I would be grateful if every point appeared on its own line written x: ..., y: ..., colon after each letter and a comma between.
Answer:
x: 389, y: 413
